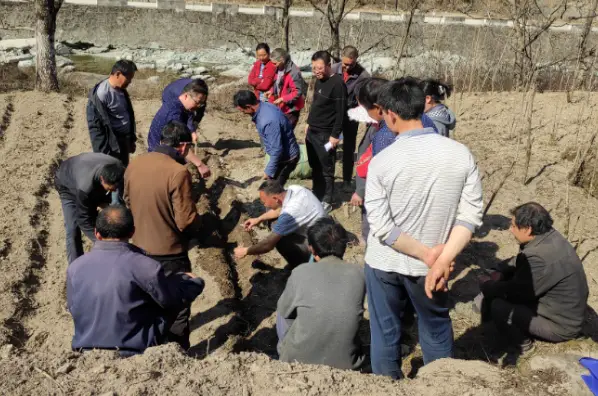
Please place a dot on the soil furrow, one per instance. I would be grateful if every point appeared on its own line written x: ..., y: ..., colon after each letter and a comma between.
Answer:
x: 6, y: 116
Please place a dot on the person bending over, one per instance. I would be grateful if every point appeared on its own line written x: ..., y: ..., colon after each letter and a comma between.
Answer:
x: 181, y: 109
x: 119, y: 298
x: 295, y: 209
x: 541, y: 293
x: 276, y: 133
x: 318, y: 313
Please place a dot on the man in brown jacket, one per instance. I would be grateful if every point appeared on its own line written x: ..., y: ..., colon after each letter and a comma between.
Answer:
x: 158, y: 191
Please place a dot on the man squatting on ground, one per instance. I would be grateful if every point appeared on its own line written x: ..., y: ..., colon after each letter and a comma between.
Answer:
x: 424, y: 187
x: 294, y: 209
x: 182, y: 101
x: 325, y: 124
x: 158, y: 191
x: 110, y: 117
x: 119, y: 298
x: 318, y: 313
x: 276, y: 133
x: 353, y: 75
x: 541, y: 293
x: 84, y: 183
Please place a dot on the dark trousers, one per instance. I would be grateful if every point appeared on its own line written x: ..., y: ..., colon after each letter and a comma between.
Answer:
x: 124, y: 146
x: 179, y: 328
x: 519, y: 322
x: 74, y: 241
x: 293, y: 117
x: 349, y: 141
x: 285, y: 169
x: 388, y: 294
x: 294, y: 249
x: 321, y: 163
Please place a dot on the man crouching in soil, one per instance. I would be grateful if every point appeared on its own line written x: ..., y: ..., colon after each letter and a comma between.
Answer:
x: 320, y: 308
x: 121, y: 299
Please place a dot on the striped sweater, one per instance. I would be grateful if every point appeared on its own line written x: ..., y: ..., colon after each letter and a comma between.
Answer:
x: 423, y: 185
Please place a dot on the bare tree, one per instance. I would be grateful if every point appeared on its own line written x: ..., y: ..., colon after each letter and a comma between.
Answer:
x: 584, y: 51
x: 45, y: 29
x: 335, y: 12
x: 414, y: 5
x: 286, y: 5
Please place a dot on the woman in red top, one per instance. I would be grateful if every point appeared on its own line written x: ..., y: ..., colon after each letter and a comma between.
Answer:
x: 289, y: 89
x: 263, y: 72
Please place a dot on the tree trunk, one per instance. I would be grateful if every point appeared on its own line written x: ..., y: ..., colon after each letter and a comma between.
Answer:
x: 583, y: 51
x: 335, y: 35
x: 46, y: 79
x: 285, y: 24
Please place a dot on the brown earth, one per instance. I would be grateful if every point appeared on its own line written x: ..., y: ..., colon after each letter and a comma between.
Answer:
x: 233, y: 336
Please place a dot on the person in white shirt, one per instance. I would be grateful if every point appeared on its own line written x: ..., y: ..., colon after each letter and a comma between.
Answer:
x: 424, y: 188
x: 294, y: 209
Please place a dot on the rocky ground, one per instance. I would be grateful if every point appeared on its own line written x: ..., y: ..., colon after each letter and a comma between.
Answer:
x: 233, y: 336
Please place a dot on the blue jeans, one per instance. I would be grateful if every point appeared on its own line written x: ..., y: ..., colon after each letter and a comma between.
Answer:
x: 388, y: 294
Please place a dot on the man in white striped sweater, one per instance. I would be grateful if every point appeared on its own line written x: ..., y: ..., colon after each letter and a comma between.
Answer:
x: 423, y: 188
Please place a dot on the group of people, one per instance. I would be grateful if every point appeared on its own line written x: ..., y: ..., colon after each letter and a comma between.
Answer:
x: 419, y: 191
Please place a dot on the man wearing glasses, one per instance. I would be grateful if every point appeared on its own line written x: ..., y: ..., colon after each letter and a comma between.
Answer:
x: 183, y: 101
x: 158, y: 192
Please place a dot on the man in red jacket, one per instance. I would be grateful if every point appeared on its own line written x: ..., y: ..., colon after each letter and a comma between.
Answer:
x: 263, y: 72
x: 289, y: 89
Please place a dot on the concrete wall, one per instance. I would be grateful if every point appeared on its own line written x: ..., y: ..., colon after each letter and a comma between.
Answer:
x: 166, y: 24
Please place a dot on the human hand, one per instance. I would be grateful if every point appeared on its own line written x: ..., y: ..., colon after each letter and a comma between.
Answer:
x: 333, y: 141
x: 437, y: 277
x: 432, y: 255
x: 356, y: 200
x: 194, y: 137
x: 278, y: 101
x: 133, y: 148
x: 191, y: 274
x: 267, y: 94
x: 266, y: 177
x: 240, y: 252
x: 204, y: 171
x: 249, y: 224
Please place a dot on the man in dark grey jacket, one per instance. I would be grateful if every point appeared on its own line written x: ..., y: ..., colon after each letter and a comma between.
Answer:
x: 119, y: 298
x: 320, y: 308
x: 110, y: 116
x: 542, y: 293
x: 84, y: 183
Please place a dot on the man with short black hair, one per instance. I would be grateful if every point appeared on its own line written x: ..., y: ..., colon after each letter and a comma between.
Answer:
x: 110, y: 116
x: 84, y: 183
x: 318, y: 313
x: 426, y: 188
x: 119, y: 298
x: 542, y: 292
x: 276, y: 133
x: 188, y: 108
x: 325, y: 124
x: 353, y: 75
x: 158, y: 191
x: 295, y: 209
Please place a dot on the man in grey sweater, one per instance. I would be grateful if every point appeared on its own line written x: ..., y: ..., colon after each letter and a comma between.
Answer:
x: 319, y: 311
x: 542, y: 293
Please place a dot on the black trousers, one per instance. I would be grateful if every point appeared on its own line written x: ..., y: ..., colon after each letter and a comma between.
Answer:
x: 518, y: 322
x: 179, y: 328
x: 321, y: 163
x: 285, y: 169
x: 124, y: 145
x: 349, y: 141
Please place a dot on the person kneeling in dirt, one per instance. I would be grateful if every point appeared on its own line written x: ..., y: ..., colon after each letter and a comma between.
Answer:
x: 295, y: 209
x: 158, y: 191
x: 542, y: 292
x: 276, y: 133
x: 83, y: 182
x: 188, y: 108
x: 318, y: 313
x: 120, y: 298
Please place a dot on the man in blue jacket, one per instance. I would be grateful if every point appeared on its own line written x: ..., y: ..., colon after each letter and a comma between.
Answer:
x: 119, y: 298
x: 276, y: 133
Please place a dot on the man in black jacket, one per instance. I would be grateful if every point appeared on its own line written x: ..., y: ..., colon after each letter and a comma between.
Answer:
x: 110, y: 117
x: 542, y: 292
x: 325, y: 124
x: 353, y: 74
x: 84, y: 183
